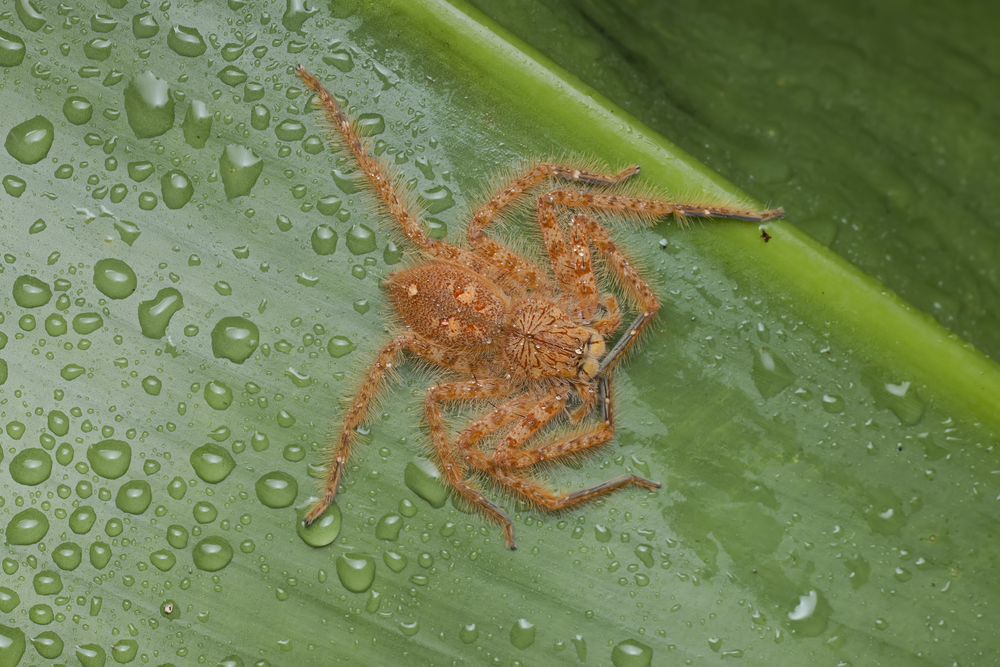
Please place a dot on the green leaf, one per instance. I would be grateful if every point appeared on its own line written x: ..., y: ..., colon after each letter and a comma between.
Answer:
x: 826, y: 452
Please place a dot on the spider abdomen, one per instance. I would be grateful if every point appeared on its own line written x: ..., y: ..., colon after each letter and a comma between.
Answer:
x: 449, y: 304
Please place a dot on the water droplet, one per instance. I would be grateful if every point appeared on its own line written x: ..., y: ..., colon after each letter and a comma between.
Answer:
x: 56, y: 325
x: 110, y: 458
x: 47, y: 582
x: 85, y: 323
x: 91, y: 655
x: 436, y: 199
x: 388, y: 527
x: 212, y: 554
x: 155, y: 314
x: 231, y: 75
x: 392, y: 253
x: 14, y: 186
x: 149, y: 106
x: 185, y: 41
x: 522, y: 634
x: 134, y: 497
x: 48, y: 644
x: 276, y: 489
x: 100, y: 556
x: 394, y: 561
x: 809, y: 618
x: 98, y: 49
x: 770, y: 374
x: 235, y: 338
x: 360, y: 239
x: 82, y: 519
x: 125, y: 650
x: 324, y: 240
x: 356, y: 571
x: 296, y: 13
x: 30, y: 292
x: 152, y: 385
x: 218, y: 395
x: 239, y: 168
x: 78, y: 109
x: 68, y: 556
x: 9, y: 599
x: 833, y: 403
x: 340, y: 346
x: 212, y: 463
x: 12, y: 644
x: 144, y: 26
x: 197, y: 124
x: 290, y: 130
x: 12, y: 49
x: 205, y: 512
x: 631, y: 653
x: 114, y: 278
x: 469, y: 633
x: 31, y: 466
x: 424, y: 479
x: 323, y: 530
x: 140, y: 170
x: 27, y: 527
x: 30, y: 141
x: 177, y: 189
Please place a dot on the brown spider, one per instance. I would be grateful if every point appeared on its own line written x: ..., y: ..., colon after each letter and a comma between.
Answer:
x: 518, y: 337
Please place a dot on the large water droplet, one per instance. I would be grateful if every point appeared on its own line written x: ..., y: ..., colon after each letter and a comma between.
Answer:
x: 134, y: 497
x: 770, y: 373
x: 155, y: 314
x: 48, y: 644
x: 218, y: 395
x: 522, y: 633
x: 235, y: 338
x: 82, y: 519
x: 30, y: 141
x: 360, y: 239
x: 78, y: 109
x: 276, y: 489
x: 340, y: 346
x: 424, y: 479
x: 114, y: 278
x: 324, y: 240
x: 91, y: 655
x: 436, y: 199
x: 212, y: 463
x: 177, y: 188
x: 12, y: 646
x: 68, y: 556
x: 149, y: 105
x: 239, y: 168
x: 197, y: 124
x: 185, y: 41
x: 27, y: 527
x: 110, y: 458
x: 12, y: 49
x: 212, y: 554
x: 290, y: 130
x: 631, y: 653
x: 47, y: 582
x: 85, y: 323
x: 31, y: 466
x: 30, y: 292
x: 9, y: 599
x: 323, y: 530
x: 296, y: 13
x: 356, y: 571
x: 388, y: 527
x: 469, y: 633
x: 98, y: 49
x: 205, y: 512
x: 100, y: 555
x: 144, y: 26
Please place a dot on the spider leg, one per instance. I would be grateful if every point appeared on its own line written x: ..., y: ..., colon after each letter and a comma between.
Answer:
x: 653, y: 209
x: 339, y: 451
x: 455, y: 467
x: 544, y: 497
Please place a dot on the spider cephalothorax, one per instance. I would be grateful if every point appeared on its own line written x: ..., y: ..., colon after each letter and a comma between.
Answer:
x: 531, y: 343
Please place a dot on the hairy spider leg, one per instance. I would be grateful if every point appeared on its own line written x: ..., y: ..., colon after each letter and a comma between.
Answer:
x: 455, y: 468
x: 357, y: 412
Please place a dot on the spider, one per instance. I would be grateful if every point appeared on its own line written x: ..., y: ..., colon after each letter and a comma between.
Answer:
x: 531, y: 342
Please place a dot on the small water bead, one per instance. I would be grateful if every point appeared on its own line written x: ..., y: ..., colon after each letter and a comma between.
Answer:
x: 833, y: 403
x: 356, y: 571
x: 290, y: 130
x: 27, y: 322
x: 211, y: 462
x: 14, y: 186
x: 68, y: 556
x: 436, y: 199
x: 324, y: 240
x: 103, y: 23
x: 152, y: 385
x: 140, y: 170
x: 149, y: 106
x: 82, y: 519
x: 134, y: 497
x: 423, y: 478
x: 47, y: 582
x: 631, y: 653
x: 98, y: 49
x: 114, y: 278
x: 276, y: 489
x: 212, y: 554
x: 392, y: 253
x: 522, y: 633
x: 56, y: 325
x: 177, y: 536
x: 31, y: 466
x: 65, y: 453
x: 469, y: 633
x: 30, y: 292
x: 110, y: 458
x: 235, y: 338
x: 239, y: 168
x: 41, y: 614
x: 48, y: 644
x: 9, y: 599
x: 388, y: 527
x: 340, y: 346
x: 185, y: 41
x: 29, y: 142
x: 27, y: 527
